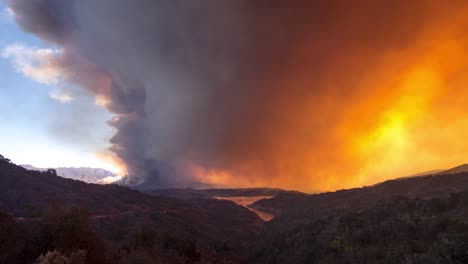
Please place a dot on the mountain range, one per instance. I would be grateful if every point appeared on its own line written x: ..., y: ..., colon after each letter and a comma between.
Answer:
x: 102, y: 176
x: 89, y: 175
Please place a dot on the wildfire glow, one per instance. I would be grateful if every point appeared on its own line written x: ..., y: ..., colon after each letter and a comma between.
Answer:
x: 412, y: 116
x: 116, y: 164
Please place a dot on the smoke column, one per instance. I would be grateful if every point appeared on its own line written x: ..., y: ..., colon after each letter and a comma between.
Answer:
x: 313, y: 95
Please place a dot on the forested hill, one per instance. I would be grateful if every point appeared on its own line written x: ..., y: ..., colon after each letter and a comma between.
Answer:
x: 26, y: 194
x: 421, y: 220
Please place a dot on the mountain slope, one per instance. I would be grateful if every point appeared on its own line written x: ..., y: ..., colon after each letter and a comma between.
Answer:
x: 413, y: 220
x: 394, y: 230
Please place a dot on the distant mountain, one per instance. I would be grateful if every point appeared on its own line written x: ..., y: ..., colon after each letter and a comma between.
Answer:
x: 152, y: 184
x: 244, y: 192
x: 458, y: 169
x: 89, y: 175
x: 240, y: 192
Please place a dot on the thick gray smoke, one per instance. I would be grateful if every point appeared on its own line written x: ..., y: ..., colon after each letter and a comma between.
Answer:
x: 166, y: 59
x: 225, y: 84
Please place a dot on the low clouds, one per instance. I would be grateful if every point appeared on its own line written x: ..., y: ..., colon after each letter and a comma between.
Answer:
x: 35, y: 63
x: 64, y: 71
x: 41, y: 65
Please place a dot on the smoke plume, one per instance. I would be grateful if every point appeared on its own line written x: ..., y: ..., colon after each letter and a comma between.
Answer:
x: 299, y: 94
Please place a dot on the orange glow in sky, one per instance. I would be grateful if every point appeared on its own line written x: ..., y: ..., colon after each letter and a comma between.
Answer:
x: 407, y: 113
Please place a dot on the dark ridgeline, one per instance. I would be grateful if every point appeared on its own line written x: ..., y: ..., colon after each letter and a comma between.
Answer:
x: 240, y: 192
x: 423, y: 187
x: 412, y: 220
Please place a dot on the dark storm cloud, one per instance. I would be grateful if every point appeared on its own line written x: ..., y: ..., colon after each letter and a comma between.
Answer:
x: 229, y: 85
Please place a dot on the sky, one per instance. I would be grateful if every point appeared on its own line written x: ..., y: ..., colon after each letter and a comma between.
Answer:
x: 37, y: 129
x: 308, y: 95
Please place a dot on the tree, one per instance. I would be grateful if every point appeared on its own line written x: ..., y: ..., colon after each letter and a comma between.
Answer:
x: 51, y: 171
x: 3, y: 159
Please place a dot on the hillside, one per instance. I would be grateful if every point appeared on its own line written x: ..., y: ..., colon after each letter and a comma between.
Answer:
x: 395, y: 230
x: 26, y: 194
x: 414, y: 220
